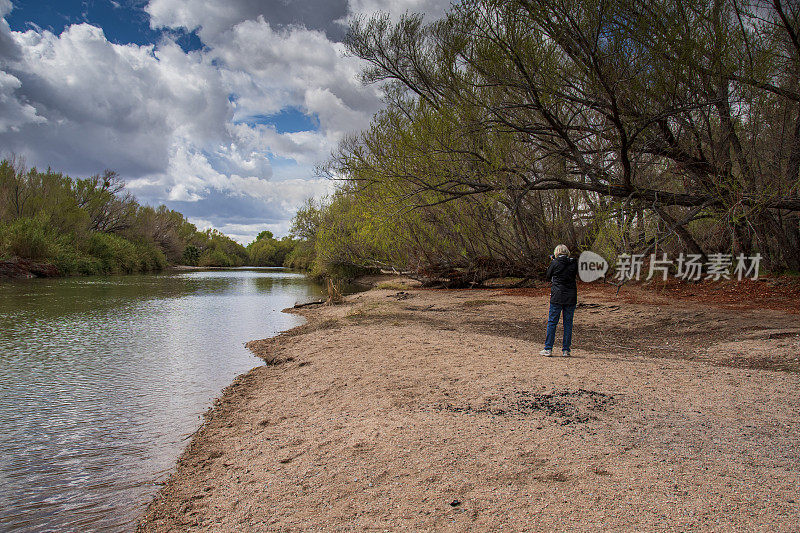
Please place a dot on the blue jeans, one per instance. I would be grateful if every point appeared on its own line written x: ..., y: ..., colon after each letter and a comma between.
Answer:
x: 552, y: 322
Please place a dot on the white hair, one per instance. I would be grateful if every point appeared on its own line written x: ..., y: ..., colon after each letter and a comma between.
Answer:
x: 561, y: 249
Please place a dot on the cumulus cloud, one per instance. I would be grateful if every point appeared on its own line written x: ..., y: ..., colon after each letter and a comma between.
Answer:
x: 212, y: 18
x: 8, y: 48
x: 302, y: 66
x: 189, y: 128
x: 304, y: 147
x: 118, y: 106
x: 268, y: 203
x: 14, y: 113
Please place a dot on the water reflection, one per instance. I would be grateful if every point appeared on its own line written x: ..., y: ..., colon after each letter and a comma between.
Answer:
x: 103, y: 379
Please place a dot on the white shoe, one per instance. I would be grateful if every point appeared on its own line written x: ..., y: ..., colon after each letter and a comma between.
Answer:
x: 546, y: 353
x: 564, y: 353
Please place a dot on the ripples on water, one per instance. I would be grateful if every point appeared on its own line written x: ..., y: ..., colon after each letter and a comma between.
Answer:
x: 102, y: 381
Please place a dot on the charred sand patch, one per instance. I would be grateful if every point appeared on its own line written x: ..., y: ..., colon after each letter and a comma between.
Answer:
x: 578, y: 406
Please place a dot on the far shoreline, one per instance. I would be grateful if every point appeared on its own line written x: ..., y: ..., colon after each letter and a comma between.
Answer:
x: 19, y: 269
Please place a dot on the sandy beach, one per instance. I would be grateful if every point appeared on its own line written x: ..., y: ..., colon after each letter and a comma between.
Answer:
x: 406, y: 409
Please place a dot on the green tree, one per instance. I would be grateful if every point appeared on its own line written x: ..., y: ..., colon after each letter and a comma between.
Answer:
x: 94, y: 225
x: 514, y: 125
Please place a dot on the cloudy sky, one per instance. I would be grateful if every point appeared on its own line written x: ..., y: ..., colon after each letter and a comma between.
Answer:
x: 219, y: 109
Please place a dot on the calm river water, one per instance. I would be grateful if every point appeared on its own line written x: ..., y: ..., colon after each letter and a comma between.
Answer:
x: 103, y: 380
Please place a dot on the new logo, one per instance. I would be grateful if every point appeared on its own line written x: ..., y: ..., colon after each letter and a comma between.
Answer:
x: 591, y: 266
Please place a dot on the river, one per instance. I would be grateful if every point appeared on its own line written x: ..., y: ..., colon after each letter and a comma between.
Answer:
x: 104, y: 379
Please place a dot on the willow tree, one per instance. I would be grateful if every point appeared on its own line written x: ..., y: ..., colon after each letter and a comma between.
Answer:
x: 538, y: 118
x: 407, y: 174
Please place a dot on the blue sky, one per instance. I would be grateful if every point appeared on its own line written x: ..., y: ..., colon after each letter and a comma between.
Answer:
x: 218, y: 109
x: 123, y: 21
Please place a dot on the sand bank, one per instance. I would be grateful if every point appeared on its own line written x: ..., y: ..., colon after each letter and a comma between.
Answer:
x: 422, y: 410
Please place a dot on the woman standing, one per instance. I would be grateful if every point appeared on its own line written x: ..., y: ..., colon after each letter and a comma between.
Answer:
x: 563, y: 298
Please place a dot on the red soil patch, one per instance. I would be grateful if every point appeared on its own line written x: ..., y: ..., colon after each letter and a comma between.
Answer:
x: 780, y: 293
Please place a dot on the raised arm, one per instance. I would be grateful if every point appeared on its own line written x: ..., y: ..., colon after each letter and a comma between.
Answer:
x: 549, y: 274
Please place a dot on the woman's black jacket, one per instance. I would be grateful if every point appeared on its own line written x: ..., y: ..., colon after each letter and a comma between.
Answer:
x: 562, y: 272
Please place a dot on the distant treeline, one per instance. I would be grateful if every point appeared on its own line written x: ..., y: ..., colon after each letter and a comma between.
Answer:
x: 620, y: 126
x: 95, y: 226
x: 266, y: 250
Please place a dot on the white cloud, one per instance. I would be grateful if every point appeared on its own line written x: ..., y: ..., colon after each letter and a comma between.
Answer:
x: 305, y: 147
x: 14, y: 113
x: 289, y: 194
x: 295, y: 64
x: 112, y: 106
x: 245, y: 233
x: 8, y: 48
x: 183, y: 127
x: 201, y: 223
x: 211, y: 18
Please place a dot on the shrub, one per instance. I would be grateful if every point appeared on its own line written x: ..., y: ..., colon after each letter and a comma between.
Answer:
x: 93, y: 225
x: 88, y: 266
x: 115, y: 253
x: 151, y: 258
x: 26, y: 237
x: 191, y: 255
x: 334, y: 290
x: 348, y: 271
x: 66, y: 260
x: 301, y: 257
x: 215, y: 258
x: 264, y: 252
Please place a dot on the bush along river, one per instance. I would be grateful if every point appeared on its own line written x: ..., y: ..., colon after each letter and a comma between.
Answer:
x: 104, y: 379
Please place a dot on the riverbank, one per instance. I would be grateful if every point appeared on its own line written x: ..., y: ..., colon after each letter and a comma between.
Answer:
x: 410, y: 409
x: 18, y: 268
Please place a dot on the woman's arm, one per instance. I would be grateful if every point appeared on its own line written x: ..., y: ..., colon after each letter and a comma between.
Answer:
x: 549, y: 274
